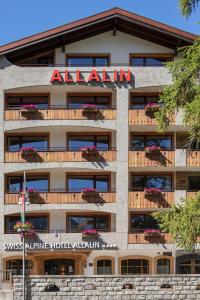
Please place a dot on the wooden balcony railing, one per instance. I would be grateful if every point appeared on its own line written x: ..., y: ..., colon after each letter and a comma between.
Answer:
x: 141, y: 238
x: 192, y: 194
x: 61, y: 156
x: 138, y: 199
x: 193, y: 158
x: 62, y: 198
x: 60, y: 114
x: 164, y: 158
x: 141, y: 117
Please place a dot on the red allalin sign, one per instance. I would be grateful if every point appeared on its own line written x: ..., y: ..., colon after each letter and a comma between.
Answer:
x: 94, y: 75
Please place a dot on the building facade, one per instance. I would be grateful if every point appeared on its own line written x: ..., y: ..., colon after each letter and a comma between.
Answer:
x: 77, y: 116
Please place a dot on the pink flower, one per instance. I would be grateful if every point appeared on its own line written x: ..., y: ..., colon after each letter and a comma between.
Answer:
x: 152, y: 190
x: 28, y: 149
x: 29, y: 106
x: 88, y: 106
x: 152, y: 105
x: 88, y: 190
x: 153, y: 148
x: 152, y: 231
x: 89, y: 148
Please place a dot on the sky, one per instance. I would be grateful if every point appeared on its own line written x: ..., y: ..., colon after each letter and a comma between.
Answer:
x: 21, y: 18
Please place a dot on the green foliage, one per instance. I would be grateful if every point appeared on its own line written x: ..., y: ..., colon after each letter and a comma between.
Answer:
x: 184, y: 93
x: 182, y: 222
x: 188, y: 6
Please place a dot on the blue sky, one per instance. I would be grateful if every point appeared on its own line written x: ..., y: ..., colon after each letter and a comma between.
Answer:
x: 21, y: 18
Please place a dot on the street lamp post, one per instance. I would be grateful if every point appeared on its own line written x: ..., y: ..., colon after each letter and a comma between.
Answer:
x: 24, y: 199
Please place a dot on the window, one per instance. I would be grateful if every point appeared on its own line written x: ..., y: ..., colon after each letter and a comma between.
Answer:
x: 143, y: 221
x: 194, y: 183
x: 39, y: 223
x: 78, y: 142
x: 59, y: 267
x: 102, y: 102
x: 38, y: 183
x: 163, y: 266
x: 42, y: 102
x: 38, y: 142
x: 79, y: 223
x: 46, y: 60
x: 15, y: 266
x: 99, y: 182
x: 140, y: 142
x: 139, y: 102
x: 134, y: 266
x: 190, y: 267
x: 163, y: 182
x: 142, y: 61
x: 104, y: 267
x: 87, y: 61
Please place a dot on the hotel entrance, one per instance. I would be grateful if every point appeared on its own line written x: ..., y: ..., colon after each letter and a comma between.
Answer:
x: 59, y: 267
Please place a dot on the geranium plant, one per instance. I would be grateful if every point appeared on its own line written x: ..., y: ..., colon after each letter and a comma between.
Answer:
x: 28, y: 151
x: 90, y: 233
x: 89, y: 191
x: 29, y: 107
x: 152, y: 232
x: 152, y: 106
x: 152, y: 191
x: 89, y: 149
x: 152, y: 149
x: 23, y: 227
x: 89, y: 107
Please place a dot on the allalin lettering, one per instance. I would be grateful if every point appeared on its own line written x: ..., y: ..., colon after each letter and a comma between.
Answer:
x: 92, y: 76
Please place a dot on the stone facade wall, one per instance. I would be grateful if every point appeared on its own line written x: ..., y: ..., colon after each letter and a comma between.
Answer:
x: 158, y: 287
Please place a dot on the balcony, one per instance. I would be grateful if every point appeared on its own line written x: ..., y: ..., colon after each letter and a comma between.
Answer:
x: 193, y: 158
x: 139, y: 199
x: 164, y: 158
x: 141, y: 117
x: 60, y: 113
x: 139, y: 237
x: 191, y: 194
x: 60, y: 155
x: 63, y: 197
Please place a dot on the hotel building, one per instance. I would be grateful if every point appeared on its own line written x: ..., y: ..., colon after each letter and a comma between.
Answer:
x: 76, y: 117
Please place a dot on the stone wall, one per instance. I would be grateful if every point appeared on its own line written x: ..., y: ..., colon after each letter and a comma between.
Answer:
x: 155, y: 287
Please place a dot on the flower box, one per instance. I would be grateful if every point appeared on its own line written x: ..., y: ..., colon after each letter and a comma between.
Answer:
x: 23, y: 227
x: 89, y: 192
x: 89, y: 150
x: 26, y: 151
x: 152, y: 149
x: 89, y: 108
x: 152, y: 191
x: 152, y: 107
x: 31, y: 234
x: 29, y: 108
x: 151, y: 232
x: 90, y: 233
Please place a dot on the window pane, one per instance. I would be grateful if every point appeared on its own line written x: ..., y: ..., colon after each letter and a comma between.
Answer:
x: 39, y: 143
x: 137, y: 102
x: 137, y: 61
x: 77, y: 142
x: 137, y: 142
x: 102, y: 142
x: 80, y: 223
x: 13, y: 101
x: 40, y: 223
x: 183, y: 269
x: 155, y: 61
x: 77, y: 184
x: 104, y: 267
x: 38, y: 183
x: 194, y: 183
x: 101, y: 61
x: 17, y: 101
x: 14, y: 143
x: 145, y: 221
x: 80, y: 61
x: 161, y: 182
x: 163, y: 142
x: 163, y: 266
x: 138, y: 183
x: 135, y: 266
x: 102, y: 184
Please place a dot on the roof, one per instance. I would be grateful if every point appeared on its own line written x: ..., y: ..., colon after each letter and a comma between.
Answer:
x: 114, y: 18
